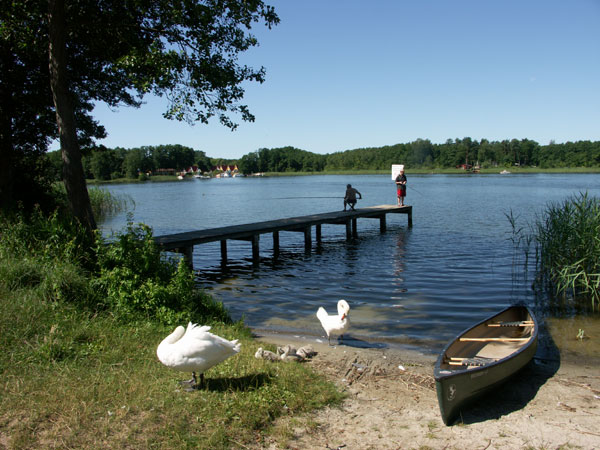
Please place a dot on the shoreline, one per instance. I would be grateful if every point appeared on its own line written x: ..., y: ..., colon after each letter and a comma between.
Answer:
x: 446, y: 171
x: 391, y: 403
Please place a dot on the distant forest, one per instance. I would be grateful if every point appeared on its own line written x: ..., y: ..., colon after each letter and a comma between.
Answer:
x: 106, y: 164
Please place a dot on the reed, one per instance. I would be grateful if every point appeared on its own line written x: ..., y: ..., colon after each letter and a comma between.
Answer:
x: 104, y: 203
x: 567, y: 239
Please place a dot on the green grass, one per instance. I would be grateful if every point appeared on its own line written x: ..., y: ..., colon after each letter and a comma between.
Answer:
x: 72, y: 379
x: 76, y: 372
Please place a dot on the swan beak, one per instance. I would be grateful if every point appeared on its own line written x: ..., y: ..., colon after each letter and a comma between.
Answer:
x: 343, y: 316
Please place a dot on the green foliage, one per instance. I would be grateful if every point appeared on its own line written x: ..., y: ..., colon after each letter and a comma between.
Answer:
x: 89, y: 338
x: 48, y: 255
x: 420, y: 154
x: 566, y: 241
x: 104, y: 203
x: 568, y: 245
x: 130, y: 277
x: 139, y: 282
x: 50, y: 238
x: 186, y: 51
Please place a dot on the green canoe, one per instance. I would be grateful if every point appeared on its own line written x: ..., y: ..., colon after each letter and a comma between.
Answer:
x: 482, y: 357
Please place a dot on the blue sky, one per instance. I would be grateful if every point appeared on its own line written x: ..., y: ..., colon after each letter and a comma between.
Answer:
x: 346, y: 74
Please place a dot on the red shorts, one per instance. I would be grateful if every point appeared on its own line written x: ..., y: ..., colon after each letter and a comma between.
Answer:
x: 401, y: 192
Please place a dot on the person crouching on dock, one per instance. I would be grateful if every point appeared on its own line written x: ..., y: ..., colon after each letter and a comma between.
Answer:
x: 350, y: 197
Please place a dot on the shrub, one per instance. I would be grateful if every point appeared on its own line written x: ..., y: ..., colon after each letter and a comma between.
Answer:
x: 130, y: 277
x: 139, y: 282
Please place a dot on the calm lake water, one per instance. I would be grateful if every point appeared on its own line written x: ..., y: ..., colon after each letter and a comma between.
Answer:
x: 417, y: 287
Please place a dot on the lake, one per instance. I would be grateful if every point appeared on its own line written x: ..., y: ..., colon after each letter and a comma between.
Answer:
x: 415, y: 287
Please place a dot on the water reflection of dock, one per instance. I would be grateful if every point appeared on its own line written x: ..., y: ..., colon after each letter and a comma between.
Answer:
x: 184, y: 242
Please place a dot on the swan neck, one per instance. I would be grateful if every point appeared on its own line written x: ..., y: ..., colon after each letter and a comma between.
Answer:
x: 175, y: 335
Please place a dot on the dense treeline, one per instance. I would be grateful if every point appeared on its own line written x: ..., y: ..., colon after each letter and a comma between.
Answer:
x: 422, y: 153
x: 106, y: 164
x: 110, y: 164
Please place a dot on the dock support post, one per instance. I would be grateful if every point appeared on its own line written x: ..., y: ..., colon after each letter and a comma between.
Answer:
x: 354, y: 230
x: 276, y: 244
x: 307, y: 240
x: 255, y: 253
x: 382, y: 224
x: 188, y: 255
x: 410, y: 217
x: 348, y: 231
x: 224, y: 251
x: 318, y: 233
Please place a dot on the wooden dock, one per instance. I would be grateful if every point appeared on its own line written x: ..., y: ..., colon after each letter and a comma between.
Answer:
x: 185, y: 242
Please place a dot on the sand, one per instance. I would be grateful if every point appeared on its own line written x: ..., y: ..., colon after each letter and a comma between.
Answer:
x: 392, y: 404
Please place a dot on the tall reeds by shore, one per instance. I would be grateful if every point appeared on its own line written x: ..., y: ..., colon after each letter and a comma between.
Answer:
x: 566, y: 243
x: 104, y: 203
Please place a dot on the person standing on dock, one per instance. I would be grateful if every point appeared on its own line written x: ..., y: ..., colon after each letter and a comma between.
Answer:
x: 350, y: 197
x: 401, y: 187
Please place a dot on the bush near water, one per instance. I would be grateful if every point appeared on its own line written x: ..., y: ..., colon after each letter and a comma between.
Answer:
x: 79, y: 335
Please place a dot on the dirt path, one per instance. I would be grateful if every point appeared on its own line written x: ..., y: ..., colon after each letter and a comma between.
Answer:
x: 392, y: 404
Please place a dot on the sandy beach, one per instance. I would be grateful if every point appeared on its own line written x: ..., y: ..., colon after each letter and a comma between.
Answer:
x: 392, y: 404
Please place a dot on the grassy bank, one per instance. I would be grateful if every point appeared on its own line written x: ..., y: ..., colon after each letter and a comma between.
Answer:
x: 79, y: 366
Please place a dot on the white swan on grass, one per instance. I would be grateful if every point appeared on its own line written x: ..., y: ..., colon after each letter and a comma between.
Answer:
x: 337, y: 323
x: 195, y: 350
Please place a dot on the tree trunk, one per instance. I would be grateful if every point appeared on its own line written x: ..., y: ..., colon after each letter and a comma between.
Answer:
x: 73, y: 175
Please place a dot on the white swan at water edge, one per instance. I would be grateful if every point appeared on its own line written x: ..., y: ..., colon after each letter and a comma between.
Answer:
x: 338, y: 323
x: 195, y: 350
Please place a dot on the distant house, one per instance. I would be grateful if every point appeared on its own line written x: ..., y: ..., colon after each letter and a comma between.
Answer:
x: 465, y: 167
x: 228, y: 169
x: 191, y: 169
